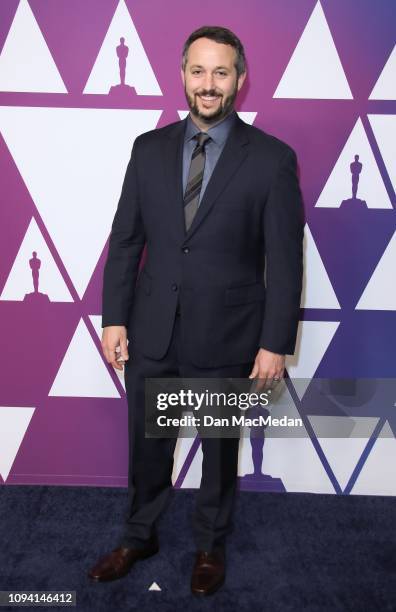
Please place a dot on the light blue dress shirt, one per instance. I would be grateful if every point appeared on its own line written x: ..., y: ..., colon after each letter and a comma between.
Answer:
x: 213, y: 148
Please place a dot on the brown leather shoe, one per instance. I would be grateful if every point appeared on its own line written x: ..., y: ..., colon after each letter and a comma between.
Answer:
x: 119, y: 562
x: 208, y: 573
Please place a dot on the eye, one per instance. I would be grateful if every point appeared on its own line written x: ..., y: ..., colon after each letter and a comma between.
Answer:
x: 221, y: 73
x: 196, y: 71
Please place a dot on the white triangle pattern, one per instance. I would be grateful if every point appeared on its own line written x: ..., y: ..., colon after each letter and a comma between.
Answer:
x: 26, y: 63
x: 343, y: 453
x: 139, y: 73
x: 20, y: 280
x: 313, y: 340
x: 82, y: 372
x: 377, y: 476
x: 314, y: 70
x: 385, y: 87
x: 73, y: 162
x: 193, y: 476
x: 380, y: 292
x: 317, y: 289
x: 371, y: 188
x: 384, y: 128
x: 14, y: 422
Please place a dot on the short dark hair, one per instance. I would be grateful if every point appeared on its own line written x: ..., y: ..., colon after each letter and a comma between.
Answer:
x: 219, y: 35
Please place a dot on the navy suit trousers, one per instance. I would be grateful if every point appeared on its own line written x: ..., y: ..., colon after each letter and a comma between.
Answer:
x: 151, y: 459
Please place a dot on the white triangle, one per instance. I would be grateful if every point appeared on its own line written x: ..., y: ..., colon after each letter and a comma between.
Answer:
x: 82, y: 372
x: 96, y: 321
x: 385, y: 87
x: 313, y: 340
x: 377, y: 476
x: 380, y: 292
x: 292, y: 459
x: 317, y: 291
x: 314, y: 70
x: 26, y: 63
x: 343, y: 450
x: 154, y: 587
x: 14, y: 422
x: 246, y: 116
x: 384, y: 128
x: 20, y: 279
x: 371, y: 188
x: 106, y: 73
x: 73, y: 162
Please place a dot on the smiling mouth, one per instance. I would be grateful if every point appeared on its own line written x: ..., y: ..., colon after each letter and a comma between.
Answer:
x: 208, y: 98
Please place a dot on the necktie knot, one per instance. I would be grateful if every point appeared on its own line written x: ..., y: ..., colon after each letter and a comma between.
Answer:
x: 202, y: 138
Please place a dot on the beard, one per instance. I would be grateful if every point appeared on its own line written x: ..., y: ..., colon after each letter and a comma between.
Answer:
x: 209, y: 117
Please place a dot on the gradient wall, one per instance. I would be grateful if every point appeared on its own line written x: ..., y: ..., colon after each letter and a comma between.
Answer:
x: 322, y: 77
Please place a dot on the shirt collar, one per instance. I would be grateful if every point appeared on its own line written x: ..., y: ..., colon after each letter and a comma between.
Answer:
x: 218, y: 132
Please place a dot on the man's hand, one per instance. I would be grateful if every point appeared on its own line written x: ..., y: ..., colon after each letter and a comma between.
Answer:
x: 267, y: 366
x: 114, y: 344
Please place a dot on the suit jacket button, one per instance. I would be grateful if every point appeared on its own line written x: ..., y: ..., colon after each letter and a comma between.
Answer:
x: 174, y: 287
x: 186, y: 250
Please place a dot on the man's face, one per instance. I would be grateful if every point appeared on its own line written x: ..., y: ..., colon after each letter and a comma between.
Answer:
x: 210, y: 80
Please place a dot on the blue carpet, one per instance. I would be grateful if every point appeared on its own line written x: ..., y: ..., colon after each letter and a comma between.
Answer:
x: 288, y: 552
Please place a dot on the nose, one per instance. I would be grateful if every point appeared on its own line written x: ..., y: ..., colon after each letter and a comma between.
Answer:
x: 208, y: 81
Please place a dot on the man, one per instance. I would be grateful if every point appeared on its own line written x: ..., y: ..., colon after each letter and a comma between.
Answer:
x: 213, y: 198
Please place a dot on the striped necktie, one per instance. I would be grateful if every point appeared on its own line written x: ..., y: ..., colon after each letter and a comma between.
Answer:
x: 194, y: 180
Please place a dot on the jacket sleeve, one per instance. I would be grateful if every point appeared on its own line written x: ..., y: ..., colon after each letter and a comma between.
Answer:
x: 283, y: 227
x: 126, y: 243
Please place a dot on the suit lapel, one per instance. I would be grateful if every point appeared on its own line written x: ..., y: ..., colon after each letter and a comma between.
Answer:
x: 232, y: 156
x: 173, y: 166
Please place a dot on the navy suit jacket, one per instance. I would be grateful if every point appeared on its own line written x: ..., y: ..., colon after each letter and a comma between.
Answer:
x: 237, y: 271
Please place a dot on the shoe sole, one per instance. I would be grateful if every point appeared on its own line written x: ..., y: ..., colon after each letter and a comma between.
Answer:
x: 143, y: 556
x: 209, y: 591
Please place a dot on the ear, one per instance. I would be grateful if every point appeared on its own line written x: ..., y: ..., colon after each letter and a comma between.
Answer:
x: 241, y: 80
x: 183, y: 78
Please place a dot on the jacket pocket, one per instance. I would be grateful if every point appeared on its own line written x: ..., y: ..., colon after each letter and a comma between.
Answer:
x: 244, y: 294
